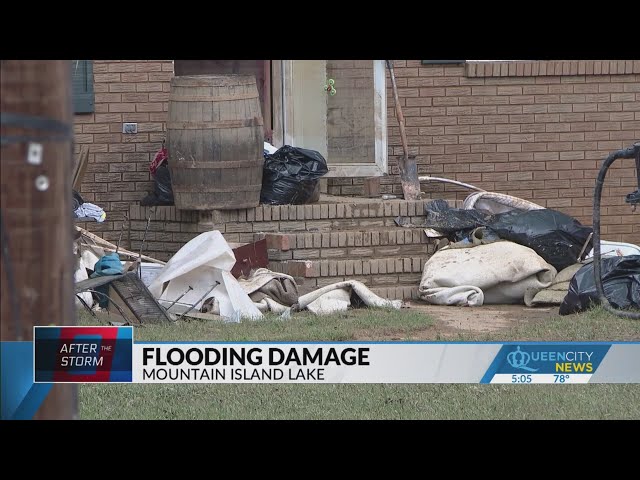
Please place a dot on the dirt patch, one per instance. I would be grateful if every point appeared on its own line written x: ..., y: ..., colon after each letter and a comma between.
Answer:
x: 450, y: 322
x: 488, y: 318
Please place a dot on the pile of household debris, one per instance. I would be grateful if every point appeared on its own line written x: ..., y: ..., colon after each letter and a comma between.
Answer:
x: 499, y: 249
x: 495, y: 249
x: 205, y: 279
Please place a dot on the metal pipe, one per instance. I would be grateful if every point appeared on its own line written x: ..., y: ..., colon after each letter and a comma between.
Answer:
x: 144, y: 238
x: 196, y: 303
x: 177, y: 299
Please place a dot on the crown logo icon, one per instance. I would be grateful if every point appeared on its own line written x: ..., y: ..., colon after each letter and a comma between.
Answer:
x: 520, y: 360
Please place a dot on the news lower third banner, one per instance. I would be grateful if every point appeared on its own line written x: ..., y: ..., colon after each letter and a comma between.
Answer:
x: 74, y: 354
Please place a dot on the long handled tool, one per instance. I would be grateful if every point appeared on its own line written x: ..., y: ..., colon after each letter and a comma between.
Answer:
x: 125, y: 219
x: 144, y: 238
x: 407, y: 165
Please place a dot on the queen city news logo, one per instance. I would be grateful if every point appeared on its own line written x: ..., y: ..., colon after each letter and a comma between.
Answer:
x: 567, y: 358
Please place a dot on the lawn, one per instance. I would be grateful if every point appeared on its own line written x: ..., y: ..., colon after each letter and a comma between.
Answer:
x: 290, y: 401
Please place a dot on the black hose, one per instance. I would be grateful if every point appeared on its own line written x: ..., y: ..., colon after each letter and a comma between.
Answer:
x: 631, y: 152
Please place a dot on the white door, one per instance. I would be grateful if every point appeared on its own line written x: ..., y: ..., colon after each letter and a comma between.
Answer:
x: 337, y: 107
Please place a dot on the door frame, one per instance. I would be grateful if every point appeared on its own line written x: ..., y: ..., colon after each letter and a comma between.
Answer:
x: 283, y: 118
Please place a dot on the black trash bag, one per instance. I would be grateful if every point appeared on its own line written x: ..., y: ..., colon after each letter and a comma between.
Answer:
x: 77, y: 200
x: 291, y: 176
x: 457, y: 224
x: 163, y: 193
x: 620, y: 281
x: 555, y: 236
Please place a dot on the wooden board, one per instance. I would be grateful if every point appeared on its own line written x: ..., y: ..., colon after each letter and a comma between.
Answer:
x: 81, y: 168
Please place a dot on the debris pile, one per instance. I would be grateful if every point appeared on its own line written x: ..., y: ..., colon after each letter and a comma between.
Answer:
x: 198, y: 281
x: 494, y: 249
x: 499, y: 249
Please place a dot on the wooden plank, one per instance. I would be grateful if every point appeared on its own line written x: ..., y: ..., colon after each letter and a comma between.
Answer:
x: 203, y: 316
x: 81, y: 168
x: 108, y: 246
x: 372, y: 187
x: 267, y: 109
x: 277, y: 139
x: 127, y: 253
x: 93, y: 283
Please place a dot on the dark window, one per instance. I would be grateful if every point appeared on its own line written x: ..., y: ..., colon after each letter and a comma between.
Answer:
x: 82, y: 86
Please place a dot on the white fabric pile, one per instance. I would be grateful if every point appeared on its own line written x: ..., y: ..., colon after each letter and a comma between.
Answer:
x: 496, y: 273
x: 208, y: 259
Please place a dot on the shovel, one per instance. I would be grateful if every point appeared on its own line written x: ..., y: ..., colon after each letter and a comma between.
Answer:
x: 407, y: 164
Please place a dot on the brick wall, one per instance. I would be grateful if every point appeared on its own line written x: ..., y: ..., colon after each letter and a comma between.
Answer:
x: 118, y: 171
x: 542, y: 137
x: 538, y: 131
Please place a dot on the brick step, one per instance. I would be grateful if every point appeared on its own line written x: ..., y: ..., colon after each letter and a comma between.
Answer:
x: 397, y: 293
x: 350, y: 267
x: 171, y: 228
x: 376, y: 242
x: 320, y: 217
x: 369, y: 208
x: 345, y: 209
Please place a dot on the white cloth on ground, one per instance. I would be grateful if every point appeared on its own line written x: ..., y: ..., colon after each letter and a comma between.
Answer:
x: 329, y: 299
x: 337, y: 298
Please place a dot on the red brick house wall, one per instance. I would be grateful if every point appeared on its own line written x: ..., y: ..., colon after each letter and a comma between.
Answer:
x: 537, y: 130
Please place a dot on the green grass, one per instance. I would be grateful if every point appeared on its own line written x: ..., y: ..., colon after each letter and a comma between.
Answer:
x: 439, y: 401
x: 594, y: 325
x: 301, y: 327
x: 287, y: 401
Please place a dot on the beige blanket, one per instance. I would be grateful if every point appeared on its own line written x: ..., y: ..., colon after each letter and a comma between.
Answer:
x: 554, y: 294
x: 496, y: 273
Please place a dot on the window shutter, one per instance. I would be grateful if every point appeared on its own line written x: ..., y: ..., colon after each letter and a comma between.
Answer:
x: 82, y: 86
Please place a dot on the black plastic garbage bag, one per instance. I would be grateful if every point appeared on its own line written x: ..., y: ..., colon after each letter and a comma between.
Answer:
x: 291, y: 176
x: 163, y: 193
x: 620, y: 281
x: 555, y: 236
x: 457, y: 223
x: 77, y: 200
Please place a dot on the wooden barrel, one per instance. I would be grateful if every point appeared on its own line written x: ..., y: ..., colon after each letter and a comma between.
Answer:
x: 215, y: 142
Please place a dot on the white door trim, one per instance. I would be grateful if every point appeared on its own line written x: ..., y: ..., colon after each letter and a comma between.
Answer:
x: 284, y: 118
